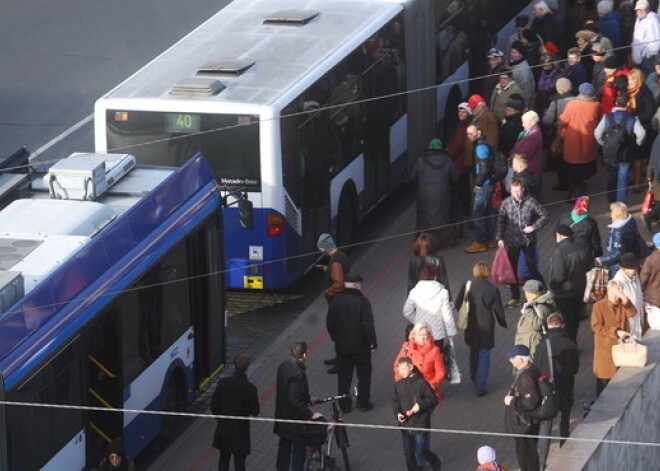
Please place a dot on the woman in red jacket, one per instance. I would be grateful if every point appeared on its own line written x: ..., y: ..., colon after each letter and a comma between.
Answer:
x: 425, y: 355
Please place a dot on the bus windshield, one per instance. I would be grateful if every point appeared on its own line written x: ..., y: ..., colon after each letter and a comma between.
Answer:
x: 230, y: 143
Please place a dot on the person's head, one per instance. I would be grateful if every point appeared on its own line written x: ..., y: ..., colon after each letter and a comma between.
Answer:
x: 486, y: 455
x: 115, y: 453
x: 621, y: 100
x: 527, y: 37
x: 428, y: 273
x: 573, y: 56
x: 610, y: 65
x: 420, y: 333
x: 564, y: 231
x: 514, y: 105
x: 629, y: 263
x: 326, y: 244
x: 605, y: 7
x: 435, y: 144
x: 481, y: 269
x: 404, y: 366
x: 519, y: 356
x: 353, y: 281
x: 614, y: 288
x: 533, y: 289
x: 473, y: 132
x: 586, y: 89
x: 494, y: 57
x: 505, y: 78
x: 241, y: 362
x: 555, y: 320
x: 424, y: 245
x: 529, y: 119
x: 299, y: 351
x: 516, y: 51
x: 519, y: 163
x: 547, y: 61
x: 464, y: 111
x: 642, y: 8
x: 618, y: 210
x: 517, y: 190
x: 636, y: 78
x: 522, y: 21
x: 582, y: 38
x: 540, y: 9
x: 563, y: 86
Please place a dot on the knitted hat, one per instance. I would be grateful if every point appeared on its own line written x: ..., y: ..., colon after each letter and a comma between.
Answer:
x: 610, y: 63
x: 465, y: 106
x: 586, y: 89
x: 486, y: 454
x: 581, y: 205
x: 326, y: 243
x: 515, y: 103
x: 518, y: 351
x: 563, y: 85
x: 534, y: 287
x: 435, y: 144
x: 474, y: 100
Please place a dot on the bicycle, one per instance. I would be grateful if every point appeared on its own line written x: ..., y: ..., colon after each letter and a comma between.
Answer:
x: 320, y: 439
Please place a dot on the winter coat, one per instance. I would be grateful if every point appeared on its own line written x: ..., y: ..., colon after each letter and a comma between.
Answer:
x: 565, y: 364
x: 492, y: 79
x: 550, y: 27
x: 577, y: 74
x: 525, y: 388
x: 610, y: 27
x: 644, y: 111
x: 338, y: 267
x: 350, y: 322
x: 611, y: 87
x: 500, y: 96
x: 410, y: 391
x: 291, y: 399
x: 434, y: 173
x: 531, y: 322
x: 621, y: 238
x: 632, y: 288
x: 485, y: 308
x: 456, y: 147
x: 606, y: 319
x: 555, y: 108
x: 546, y: 88
x: 427, y: 359
x: 653, y: 168
x: 489, y: 131
x: 569, y: 264
x: 650, y: 278
x: 509, y: 130
x: 415, y: 266
x: 428, y: 302
x: 524, y: 77
x: 515, y: 215
x: 585, y: 233
x: 234, y: 395
x: 579, y: 120
x: 531, y: 145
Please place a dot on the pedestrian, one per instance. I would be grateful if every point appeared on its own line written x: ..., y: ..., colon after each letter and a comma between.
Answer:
x: 530, y: 144
x: 539, y: 304
x: 621, y: 238
x: 653, y: 176
x: 520, y: 218
x: 575, y: 71
x: 646, y: 36
x: 234, y: 395
x: 552, y: 128
x: 485, y: 120
x: 567, y: 278
x: 522, y: 398
x: 456, y: 151
x: 428, y: 302
x: 292, y: 402
x: 577, y: 14
x: 578, y: 121
x: 485, y: 307
x: 547, y: 24
x: 482, y: 191
x: 506, y: 87
x: 521, y: 172
x: 650, y: 275
x: 609, y: 323
x: 522, y: 72
x: 586, y: 52
x: 115, y: 458
x: 486, y: 456
x: 425, y: 253
x: 597, y: 39
x: 616, y: 80
x: 585, y: 228
x: 413, y: 403
x: 546, y: 86
x: 511, y: 125
x: 496, y: 64
x: 425, y: 355
x: 599, y: 77
x: 435, y: 174
x: 643, y: 106
x: 350, y: 323
x: 609, y: 22
x: 653, y: 81
x: 628, y: 276
x: 522, y: 22
x: 565, y: 365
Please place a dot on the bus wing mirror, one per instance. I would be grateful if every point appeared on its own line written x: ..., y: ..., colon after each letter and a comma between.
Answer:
x: 245, y: 213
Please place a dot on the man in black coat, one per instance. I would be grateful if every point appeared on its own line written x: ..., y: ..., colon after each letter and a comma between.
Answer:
x: 234, y: 395
x: 567, y: 278
x: 511, y: 126
x: 435, y: 174
x: 292, y: 402
x: 350, y: 323
x: 565, y: 364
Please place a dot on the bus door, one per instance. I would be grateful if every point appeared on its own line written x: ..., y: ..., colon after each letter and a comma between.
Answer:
x: 104, y: 365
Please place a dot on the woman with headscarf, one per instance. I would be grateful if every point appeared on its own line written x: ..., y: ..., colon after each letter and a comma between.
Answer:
x: 584, y: 227
x: 642, y: 105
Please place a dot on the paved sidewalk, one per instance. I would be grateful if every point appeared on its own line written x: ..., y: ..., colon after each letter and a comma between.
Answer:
x: 384, y: 268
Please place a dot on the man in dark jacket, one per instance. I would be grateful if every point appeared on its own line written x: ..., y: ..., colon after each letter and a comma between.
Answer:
x: 234, y: 395
x: 413, y: 403
x: 512, y: 124
x: 523, y: 397
x: 565, y: 365
x: 520, y: 218
x: 435, y: 175
x: 350, y: 324
x: 483, y: 187
x: 567, y: 278
x: 292, y: 401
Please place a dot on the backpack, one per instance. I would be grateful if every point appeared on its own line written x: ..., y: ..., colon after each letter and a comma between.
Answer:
x: 616, y: 139
x: 549, y: 405
x: 499, y: 165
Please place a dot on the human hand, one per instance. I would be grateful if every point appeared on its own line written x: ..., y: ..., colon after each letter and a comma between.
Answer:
x: 316, y: 415
x: 415, y: 408
x: 597, y: 260
x: 400, y: 417
x: 500, y: 243
x: 312, y: 400
x: 622, y: 334
x: 321, y: 267
x: 528, y: 229
x: 507, y: 400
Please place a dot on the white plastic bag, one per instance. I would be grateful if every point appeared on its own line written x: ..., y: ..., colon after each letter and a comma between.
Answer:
x: 452, y: 366
x: 653, y: 316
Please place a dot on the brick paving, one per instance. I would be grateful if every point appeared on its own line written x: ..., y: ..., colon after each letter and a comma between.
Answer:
x: 384, y: 267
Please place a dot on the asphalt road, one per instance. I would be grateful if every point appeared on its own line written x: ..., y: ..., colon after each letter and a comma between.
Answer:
x: 57, y: 58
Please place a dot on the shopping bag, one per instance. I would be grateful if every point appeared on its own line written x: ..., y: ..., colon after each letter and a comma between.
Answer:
x: 596, y: 288
x: 629, y: 353
x: 653, y: 317
x: 501, y: 270
x: 464, y: 311
x: 649, y: 200
x: 451, y: 364
x: 496, y: 200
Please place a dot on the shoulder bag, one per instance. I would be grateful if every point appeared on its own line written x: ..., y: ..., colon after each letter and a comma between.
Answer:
x: 465, y: 308
x: 629, y: 353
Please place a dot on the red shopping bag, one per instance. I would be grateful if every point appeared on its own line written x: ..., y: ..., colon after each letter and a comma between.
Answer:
x: 496, y: 200
x: 501, y: 271
x: 648, y: 200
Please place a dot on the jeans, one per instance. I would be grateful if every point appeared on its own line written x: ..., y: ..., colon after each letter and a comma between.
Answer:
x: 617, y: 179
x: 484, y: 225
x: 530, y: 257
x: 414, y: 447
x: 479, y: 365
x: 290, y: 455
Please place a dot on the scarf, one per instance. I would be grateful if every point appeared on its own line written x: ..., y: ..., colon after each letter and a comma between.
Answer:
x: 633, y: 91
x: 523, y: 134
x: 545, y: 80
x: 512, y: 62
x: 578, y: 217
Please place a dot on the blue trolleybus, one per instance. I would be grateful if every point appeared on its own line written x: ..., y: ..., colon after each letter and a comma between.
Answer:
x: 112, y: 296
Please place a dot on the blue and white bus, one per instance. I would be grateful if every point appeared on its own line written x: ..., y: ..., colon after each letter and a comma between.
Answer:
x: 111, y: 293
x: 303, y: 107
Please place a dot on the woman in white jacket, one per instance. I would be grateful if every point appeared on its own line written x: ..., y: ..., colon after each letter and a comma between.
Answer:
x: 429, y: 302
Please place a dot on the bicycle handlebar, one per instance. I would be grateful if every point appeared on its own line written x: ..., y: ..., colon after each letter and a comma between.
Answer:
x: 323, y: 400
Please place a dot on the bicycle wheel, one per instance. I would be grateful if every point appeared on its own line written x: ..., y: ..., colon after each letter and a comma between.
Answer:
x: 344, y: 454
x: 341, y: 438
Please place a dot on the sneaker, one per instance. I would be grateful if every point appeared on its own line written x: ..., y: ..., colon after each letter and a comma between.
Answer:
x: 512, y: 303
x: 491, y: 244
x: 365, y: 407
x: 476, y: 247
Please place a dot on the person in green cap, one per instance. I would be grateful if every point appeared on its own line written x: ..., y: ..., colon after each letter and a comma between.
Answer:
x: 434, y: 174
